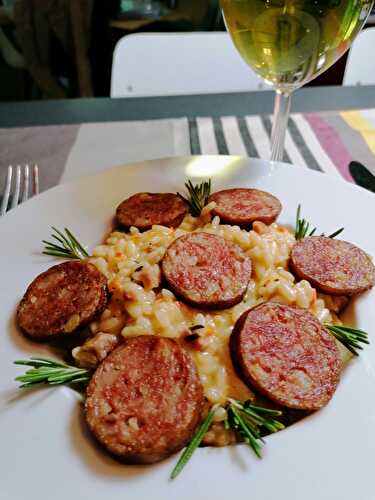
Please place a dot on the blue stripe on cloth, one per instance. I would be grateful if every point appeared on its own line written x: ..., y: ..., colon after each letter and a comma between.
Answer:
x: 303, y: 147
x: 195, y: 146
x: 246, y: 137
x: 219, y: 136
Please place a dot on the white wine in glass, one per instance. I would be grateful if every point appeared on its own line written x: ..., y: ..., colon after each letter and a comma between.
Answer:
x: 290, y: 42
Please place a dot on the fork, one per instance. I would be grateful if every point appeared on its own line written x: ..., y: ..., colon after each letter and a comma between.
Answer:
x: 22, y: 177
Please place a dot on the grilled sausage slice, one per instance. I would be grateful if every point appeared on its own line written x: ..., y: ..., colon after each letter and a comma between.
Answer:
x: 206, y: 271
x: 62, y: 299
x: 143, y: 210
x: 145, y: 400
x: 242, y: 206
x: 335, y: 267
x: 287, y: 355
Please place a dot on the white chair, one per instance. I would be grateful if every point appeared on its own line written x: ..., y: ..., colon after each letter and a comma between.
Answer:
x: 151, y: 64
x: 360, y: 66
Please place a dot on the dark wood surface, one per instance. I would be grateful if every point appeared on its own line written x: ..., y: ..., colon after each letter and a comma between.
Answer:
x: 146, y: 108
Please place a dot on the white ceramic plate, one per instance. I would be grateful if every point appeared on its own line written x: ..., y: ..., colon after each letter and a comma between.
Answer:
x: 45, y: 449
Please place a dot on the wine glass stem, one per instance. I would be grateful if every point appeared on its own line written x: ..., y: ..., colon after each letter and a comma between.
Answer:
x: 280, y: 124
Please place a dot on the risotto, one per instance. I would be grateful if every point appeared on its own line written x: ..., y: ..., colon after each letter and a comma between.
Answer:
x: 140, y: 305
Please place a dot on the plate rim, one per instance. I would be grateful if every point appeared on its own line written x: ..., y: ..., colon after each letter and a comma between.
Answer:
x: 113, y: 169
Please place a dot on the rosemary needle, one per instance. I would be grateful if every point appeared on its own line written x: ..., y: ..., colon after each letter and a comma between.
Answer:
x: 351, y: 338
x: 194, y: 443
x: 51, y: 372
x: 249, y: 433
x: 247, y: 420
x: 336, y: 233
x: 303, y: 228
x: 67, y: 245
x: 243, y: 417
x: 197, y: 196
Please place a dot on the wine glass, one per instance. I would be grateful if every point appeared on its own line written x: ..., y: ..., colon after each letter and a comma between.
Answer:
x: 290, y: 42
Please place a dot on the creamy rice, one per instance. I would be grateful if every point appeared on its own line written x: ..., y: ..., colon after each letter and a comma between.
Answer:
x: 139, y: 306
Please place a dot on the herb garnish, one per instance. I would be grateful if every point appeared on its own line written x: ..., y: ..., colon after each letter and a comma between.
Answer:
x: 198, y: 195
x: 196, y: 327
x: 68, y: 245
x: 49, y: 371
x: 248, y: 419
x: 243, y: 417
x: 349, y: 337
x: 194, y: 443
x: 303, y: 226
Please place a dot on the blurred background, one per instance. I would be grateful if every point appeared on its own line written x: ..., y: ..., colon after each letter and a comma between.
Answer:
x: 53, y: 49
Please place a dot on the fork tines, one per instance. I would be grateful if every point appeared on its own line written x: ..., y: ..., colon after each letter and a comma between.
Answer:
x: 18, y: 191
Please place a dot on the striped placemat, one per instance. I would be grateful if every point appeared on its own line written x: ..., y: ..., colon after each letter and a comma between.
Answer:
x: 326, y: 142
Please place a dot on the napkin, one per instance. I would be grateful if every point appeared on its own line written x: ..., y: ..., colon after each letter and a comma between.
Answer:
x: 103, y: 145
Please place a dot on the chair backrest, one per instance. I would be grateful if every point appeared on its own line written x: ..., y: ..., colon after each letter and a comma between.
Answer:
x: 150, y: 64
x: 360, y: 66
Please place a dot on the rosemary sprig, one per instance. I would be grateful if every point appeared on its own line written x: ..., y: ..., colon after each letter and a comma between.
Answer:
x: 68, y: 246
x: 194, y: 443
x: 351, y: 338
x: 49, y: 371
x: 197, y: 196
x: 248, y: 419
x: 245, y: 418
x: 303, y: 226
